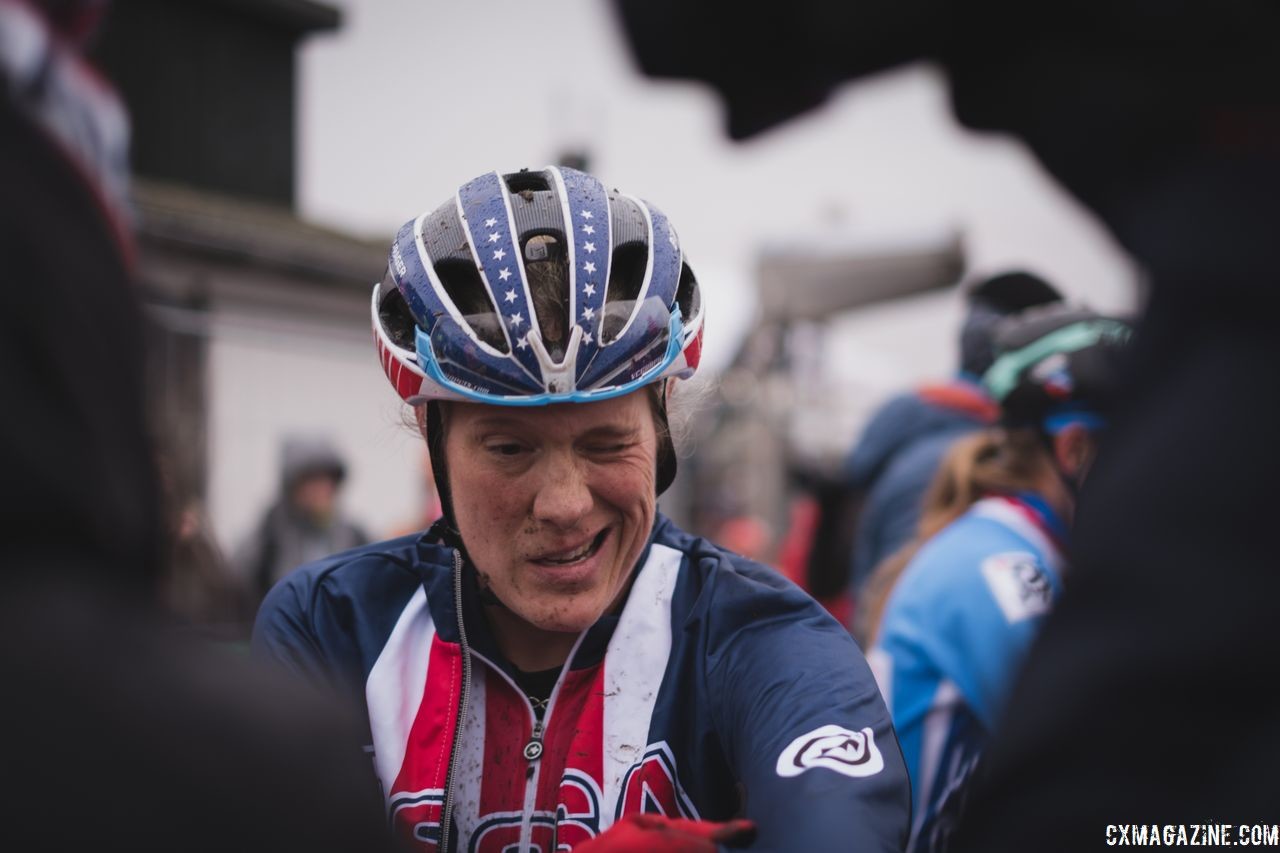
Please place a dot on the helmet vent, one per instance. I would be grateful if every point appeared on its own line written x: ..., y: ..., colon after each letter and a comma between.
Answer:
x: 523, y: 181
x: 626, y: 277
x: 462, y: 282
x: 395, y: 316
x: 548, y: 276
x: 688, y: 295
x: 547, y: 246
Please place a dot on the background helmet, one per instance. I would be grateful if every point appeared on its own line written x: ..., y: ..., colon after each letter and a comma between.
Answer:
x: 536, y: 287
x: 988, y: 302
x: 1056, y: 365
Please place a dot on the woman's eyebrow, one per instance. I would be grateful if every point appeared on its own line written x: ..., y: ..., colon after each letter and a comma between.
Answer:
x: 610, y: 430
x: 499, y: 422
x: 513, y: 424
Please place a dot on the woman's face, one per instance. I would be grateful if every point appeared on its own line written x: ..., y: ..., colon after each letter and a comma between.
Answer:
x: 555, y: 503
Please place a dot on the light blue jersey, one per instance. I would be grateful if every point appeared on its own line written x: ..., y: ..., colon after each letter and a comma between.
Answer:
x: 954, y: 632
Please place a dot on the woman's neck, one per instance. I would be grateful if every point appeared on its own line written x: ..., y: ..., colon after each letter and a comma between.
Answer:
x: 1052, y: 487
x: 526, y: 646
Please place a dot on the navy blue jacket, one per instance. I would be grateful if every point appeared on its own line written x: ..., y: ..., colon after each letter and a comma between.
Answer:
x: 718, y: 689
x: 895, y: 459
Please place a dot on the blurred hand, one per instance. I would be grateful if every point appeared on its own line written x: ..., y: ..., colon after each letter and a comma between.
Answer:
x: 641, y: 833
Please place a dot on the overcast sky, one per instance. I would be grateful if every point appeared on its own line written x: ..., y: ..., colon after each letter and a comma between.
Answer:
x: 411, y: 98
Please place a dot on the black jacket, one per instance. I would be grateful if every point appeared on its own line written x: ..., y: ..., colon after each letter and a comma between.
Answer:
x: 120, y: 732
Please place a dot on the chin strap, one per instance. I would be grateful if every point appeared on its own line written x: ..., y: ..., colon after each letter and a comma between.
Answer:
x: 487, y: 596
x: 435, y: 448
x: 445, y: 533
x: 446, y: 529
x: 666, y: 451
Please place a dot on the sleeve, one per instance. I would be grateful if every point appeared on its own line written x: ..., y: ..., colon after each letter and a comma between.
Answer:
x: 284, y: 631
x: 952, y: 640
x: 977, y: 627
x: 804, y: 728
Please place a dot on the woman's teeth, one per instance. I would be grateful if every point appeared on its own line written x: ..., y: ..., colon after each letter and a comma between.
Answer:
x: 575, y: 556
x: 571, y: 558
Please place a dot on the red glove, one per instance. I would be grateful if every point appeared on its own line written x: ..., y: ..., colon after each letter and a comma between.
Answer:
x: 642, y: 833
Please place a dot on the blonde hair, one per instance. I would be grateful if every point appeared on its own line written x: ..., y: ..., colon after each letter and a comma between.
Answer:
x: 995, y: 461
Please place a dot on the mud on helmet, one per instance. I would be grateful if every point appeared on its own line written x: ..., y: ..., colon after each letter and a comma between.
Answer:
x: 1056, y: 365
x: 532, y: 288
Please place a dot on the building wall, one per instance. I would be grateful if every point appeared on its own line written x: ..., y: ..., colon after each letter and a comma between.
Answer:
x: 210, y: 90
x: 279, y: 353
x: 273, y: 370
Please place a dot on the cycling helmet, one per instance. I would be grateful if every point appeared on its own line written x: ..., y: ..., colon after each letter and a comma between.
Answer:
x: 989, y: 301
x: 532, y: 288
x: 1056, y: 365
x: 536, y: 287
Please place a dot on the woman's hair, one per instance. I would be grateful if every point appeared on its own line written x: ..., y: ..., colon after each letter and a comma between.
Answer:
x: 995, y: 461
x: 549, y: 287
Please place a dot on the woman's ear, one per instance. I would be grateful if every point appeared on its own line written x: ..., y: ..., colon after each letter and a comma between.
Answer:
x: 420, y: 416
x: 1073, y: 449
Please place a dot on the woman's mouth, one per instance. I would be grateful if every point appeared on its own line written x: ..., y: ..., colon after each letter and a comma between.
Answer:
x: 575, y: 554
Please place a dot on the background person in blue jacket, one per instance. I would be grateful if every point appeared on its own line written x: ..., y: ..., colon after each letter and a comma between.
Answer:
x: 968, y: 604
x: 554, y: 665
x: 903, y: 443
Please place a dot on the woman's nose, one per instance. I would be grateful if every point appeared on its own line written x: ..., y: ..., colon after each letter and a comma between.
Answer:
x: 565, y: 496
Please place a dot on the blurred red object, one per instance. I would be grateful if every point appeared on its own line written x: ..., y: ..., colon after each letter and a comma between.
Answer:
x: 745, y: 535
x: 794, y: 550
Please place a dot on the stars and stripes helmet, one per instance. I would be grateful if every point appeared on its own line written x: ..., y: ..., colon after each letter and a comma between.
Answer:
x: 536, y: 287
x: 1057, y: 365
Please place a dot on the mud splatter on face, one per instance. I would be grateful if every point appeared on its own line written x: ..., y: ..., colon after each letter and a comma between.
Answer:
x: 555, y: 503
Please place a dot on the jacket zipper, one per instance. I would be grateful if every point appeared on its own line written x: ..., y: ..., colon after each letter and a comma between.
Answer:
x: 532, y: 749
x: 446, y: 814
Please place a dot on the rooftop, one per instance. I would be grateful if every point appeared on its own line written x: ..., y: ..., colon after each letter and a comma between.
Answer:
x: 253, y: 233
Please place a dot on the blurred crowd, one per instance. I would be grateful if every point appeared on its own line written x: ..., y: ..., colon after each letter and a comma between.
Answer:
x: 216, y: 590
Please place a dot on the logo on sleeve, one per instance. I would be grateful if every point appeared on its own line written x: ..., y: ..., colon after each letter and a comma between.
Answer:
x: 835, y: 748
x: 1018, y: 585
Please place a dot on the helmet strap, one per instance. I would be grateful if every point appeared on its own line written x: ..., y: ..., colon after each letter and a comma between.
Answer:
x: 1071, y: 482
x: 666, y: 451
x: 447, y: 527
x: 439, y: 470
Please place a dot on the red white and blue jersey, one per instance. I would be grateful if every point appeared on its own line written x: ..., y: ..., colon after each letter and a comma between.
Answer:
x: 719, y: 689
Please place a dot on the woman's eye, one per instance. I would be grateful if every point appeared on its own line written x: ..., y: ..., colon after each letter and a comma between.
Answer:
x: 607, y: 448
x: 505, y: 449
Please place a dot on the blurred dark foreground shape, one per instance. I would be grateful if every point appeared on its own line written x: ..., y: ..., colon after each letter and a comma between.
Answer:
x: 122, y: 732
x: 1149, y: 697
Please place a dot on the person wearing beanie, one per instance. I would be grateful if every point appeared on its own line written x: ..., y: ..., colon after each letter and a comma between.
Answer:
x: 904, y: 441
x: 304, y: 524
x: 989, y: 301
